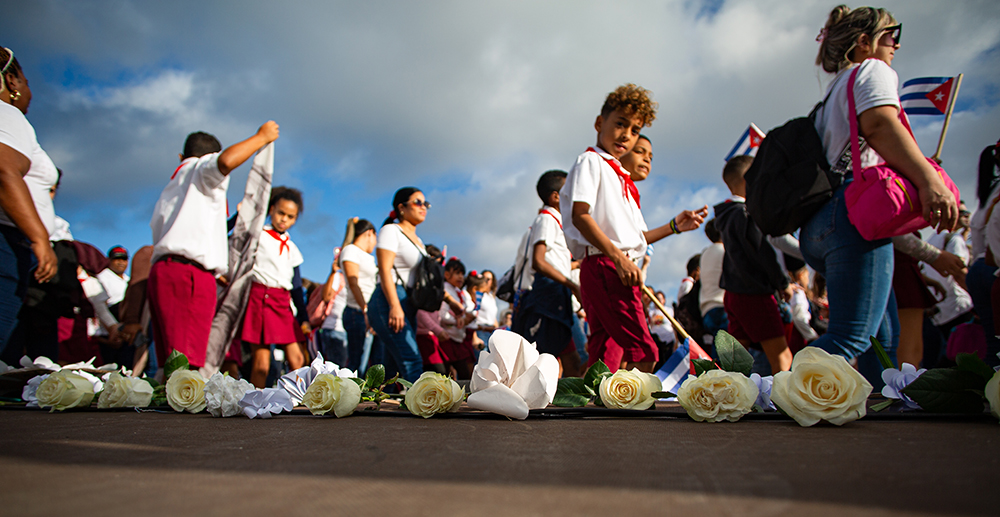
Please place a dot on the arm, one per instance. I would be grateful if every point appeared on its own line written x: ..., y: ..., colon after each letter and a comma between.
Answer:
x: 397, y: 319
x: 627, y: 271
x: 298, y: 297
x: 234, y: 155
x: 351, y: 270
x: 885, y: 133
x: 685, y: 221
x: 540, y: 265
x: 17, y: 204
x: 786, y: 244
x: 944, y: 262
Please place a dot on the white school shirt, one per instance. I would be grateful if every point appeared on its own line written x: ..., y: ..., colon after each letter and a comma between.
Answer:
x: 276, y: 259
x: 189, y: 219
x: 448, y: 319
x: 18, y: 134
x: 60, y: 232
x: 876, y: 85
x: 488, y: 310
x: 978, y: 226
x: 548, y: 229
x: 658, y: 323
x: 114, y: 285
x: 956, y: 300
x: 711, y: 295
x: 686, y: 285
x: 408, y: 254
x: 593, y: 181
x: 335, y: 320
x: 367, y: 273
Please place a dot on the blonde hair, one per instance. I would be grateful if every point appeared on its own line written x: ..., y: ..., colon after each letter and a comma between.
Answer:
x: 843, y: 28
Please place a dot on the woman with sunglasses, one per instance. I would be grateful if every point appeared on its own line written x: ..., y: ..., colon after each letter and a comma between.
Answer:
x: 859, y: 272
x: 398, y: 251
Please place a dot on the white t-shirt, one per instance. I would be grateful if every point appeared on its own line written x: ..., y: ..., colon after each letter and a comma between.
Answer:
x: 367, y: 273
x: 448, y: 318
x: 276, y: 259
x: 659, y: 325
x: 487, y: 315
x: 60, y: 232
x: 956, y: 300
x: 876, y: 85
x: 114, y: 285
x: 978, y: 226
x: 18, y: 134
x: 335, y: 320
x: 593, y: 181
x: 190, y: 217
x: 547, y: 228
x: 408, y: 254
x: 686, y: 285
x: 711, y: 295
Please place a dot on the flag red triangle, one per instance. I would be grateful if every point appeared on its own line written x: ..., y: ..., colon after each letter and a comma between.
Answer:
x: 939, y: 96
x: 755, y: 136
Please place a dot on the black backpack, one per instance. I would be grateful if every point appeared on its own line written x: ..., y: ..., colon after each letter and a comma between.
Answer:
x: 427, y: 292
x: 687, y: 312
x: 789, y: 179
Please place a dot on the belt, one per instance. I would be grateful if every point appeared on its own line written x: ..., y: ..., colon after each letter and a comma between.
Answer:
x: 183, y: 260
x: 593, y: 251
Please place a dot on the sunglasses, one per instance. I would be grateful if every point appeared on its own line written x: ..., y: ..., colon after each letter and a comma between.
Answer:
x: 895, y: 32
x: 424, y: 203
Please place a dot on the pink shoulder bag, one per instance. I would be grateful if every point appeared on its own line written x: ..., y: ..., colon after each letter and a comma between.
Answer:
x: 881, y: 202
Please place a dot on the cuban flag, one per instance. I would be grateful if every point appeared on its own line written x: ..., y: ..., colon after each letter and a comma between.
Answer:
x: 748, y: 143
x: 926, y: 95
x: 675, y: 371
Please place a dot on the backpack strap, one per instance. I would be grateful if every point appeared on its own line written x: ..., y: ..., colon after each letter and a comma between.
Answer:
x: 423, y: 254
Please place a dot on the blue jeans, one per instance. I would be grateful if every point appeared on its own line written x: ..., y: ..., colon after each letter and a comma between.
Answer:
x: 859, y: 281
x: 16, y: 262
x: 580, y: 339
x: 980, y: 281
x: 359, y: 341
x: 333, y: 345
x: 402, y: 345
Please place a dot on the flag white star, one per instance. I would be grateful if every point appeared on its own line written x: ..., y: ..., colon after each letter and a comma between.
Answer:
x: 939, y: 96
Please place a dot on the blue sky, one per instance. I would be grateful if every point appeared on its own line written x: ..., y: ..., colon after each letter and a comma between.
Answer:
x: 469, y: 101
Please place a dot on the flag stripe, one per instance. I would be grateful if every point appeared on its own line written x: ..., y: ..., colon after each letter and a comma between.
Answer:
x: 914, y: 96
x: 922, y: 111
x: 739, y: 143
x: 926, y: 80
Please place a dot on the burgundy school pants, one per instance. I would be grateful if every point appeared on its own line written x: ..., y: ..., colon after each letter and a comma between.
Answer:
x: 182, y: 300
x: 618, y: 328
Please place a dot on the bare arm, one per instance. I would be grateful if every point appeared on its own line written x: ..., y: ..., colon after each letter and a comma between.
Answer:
x: 351, y: 270
x: 17, y: 204
x: 883, y: 130
x: 628, y: 272
x: 234, y: 155
x: 686, y: 221
x: 328, y: 292
x: 539, y: 264
x: 397, y: 319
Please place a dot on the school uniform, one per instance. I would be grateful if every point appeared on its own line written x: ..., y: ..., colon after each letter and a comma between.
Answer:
x: 458, y: 346
x: 615, y: 312
x: 190, y: 249
x: 269, y: 319
x: 750, y: 275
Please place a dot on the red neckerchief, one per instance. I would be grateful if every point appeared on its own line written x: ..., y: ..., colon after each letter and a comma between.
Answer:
x: 546, y: 211
x: 628, y: 186
x: 282, y: 238
x: 178, y: 169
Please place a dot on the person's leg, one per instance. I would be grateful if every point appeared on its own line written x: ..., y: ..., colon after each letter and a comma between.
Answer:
x: 778, y: 354
x: 980, y: 282
x: 402, y: 345
x: 261, y: 361
x: 16, y: 262
x: 354, y: 325
x: 579, y: 339
x: 592, y: 287
x: 911, y: 343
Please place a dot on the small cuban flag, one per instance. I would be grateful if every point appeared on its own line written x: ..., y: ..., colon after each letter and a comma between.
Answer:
x: 675, y: 371
x: 748, y: 143
x: 926, y: 95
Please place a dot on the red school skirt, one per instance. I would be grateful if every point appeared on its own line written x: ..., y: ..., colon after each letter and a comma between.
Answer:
x: 269, y: 319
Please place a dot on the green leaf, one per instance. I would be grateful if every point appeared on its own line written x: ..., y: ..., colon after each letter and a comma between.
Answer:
x: 972, y: 363
x: 175, y: 361
x: 703, y: 365
x: 406, y: 384
x: 393, y: 380
x: 359, y: 382
x: 947, y: 390
x: 570, y: 400
x: 883, y: 357
x: 595, y: 374
x: 375, y: 376
x: 881, y: 405
x: 575, y: 386
x: 662, y: 395
x: 733, y: 357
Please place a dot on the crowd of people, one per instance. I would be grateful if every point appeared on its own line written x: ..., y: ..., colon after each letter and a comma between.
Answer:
x: 577, y: 284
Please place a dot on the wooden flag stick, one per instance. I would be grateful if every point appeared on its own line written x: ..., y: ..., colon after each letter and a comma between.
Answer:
x: 677, y: 326
x: 947, y: 117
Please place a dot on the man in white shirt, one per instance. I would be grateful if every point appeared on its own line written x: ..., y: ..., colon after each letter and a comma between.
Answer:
x: 114, y: 279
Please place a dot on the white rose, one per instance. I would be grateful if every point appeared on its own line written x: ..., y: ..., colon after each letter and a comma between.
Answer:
x: 821, y: 386
x: 64, y: 390
x: 223, y: 394
x: 331, y: 393
x: 123, y: 391
x: 629, y: 389
x: 717, y: 395
x: 433, y: 393
x: 186, y: 391
x: 993, y: 394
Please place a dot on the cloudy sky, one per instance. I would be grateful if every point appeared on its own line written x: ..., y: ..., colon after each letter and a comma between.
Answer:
x: 470, y: 101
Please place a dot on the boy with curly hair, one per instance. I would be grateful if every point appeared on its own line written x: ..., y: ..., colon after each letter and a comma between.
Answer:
x: 610, y: 235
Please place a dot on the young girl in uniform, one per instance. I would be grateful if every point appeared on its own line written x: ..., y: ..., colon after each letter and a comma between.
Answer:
x: 269, y: 319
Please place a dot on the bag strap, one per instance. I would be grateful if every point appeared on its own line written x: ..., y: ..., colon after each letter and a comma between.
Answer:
x: 852, y: 118
x: 423, y: 254
x: 524, y: 262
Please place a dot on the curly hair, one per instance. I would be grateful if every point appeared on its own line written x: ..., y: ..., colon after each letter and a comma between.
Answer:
x: 290, y: 194
x: 843, y: 28
x: 632, y: 100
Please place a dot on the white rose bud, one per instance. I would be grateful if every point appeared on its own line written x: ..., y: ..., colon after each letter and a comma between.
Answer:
x: 331, y: 393
x: 629, y: 389
x: 993, y: 394
x: 186, y: 391
x: 123, y: 391
x: 64, y: 390
x: 717, y: 395
x: 223, y: 394
x: 821, y: 386
x: 434, y: 393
